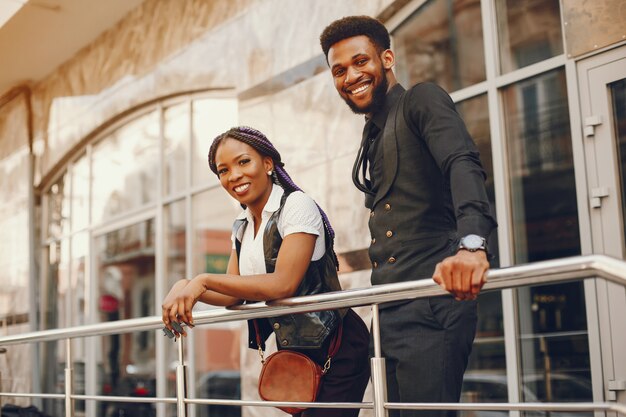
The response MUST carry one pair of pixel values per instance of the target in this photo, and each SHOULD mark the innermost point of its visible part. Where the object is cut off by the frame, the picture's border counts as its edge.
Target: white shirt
(299, 215)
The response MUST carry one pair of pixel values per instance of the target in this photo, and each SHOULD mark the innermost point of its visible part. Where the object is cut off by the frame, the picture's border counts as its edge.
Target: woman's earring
(269, 173)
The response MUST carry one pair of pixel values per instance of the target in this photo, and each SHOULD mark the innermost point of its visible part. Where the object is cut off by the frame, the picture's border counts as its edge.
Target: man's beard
(378, 99)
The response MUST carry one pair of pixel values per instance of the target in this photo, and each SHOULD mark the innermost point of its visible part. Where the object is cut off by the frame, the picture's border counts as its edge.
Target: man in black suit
(424, 184)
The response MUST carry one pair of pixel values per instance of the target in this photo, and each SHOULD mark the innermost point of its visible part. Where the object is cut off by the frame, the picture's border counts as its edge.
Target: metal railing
(544, 272)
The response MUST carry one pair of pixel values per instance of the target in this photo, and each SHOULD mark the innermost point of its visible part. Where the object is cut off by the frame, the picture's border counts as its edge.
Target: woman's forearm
(260, 287)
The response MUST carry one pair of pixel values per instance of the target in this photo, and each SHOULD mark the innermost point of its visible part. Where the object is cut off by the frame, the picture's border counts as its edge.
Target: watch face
(472, 242)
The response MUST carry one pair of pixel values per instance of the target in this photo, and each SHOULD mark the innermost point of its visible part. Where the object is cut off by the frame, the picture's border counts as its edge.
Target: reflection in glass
(54, 303)
(217, 364)
(125, 168)
(485, 378)
(441, 42)
(553, 341)
(175, 259)
(59, 208)
(554, 345)
(541, 168)
(125, 266)
(618, 94)
(475, 113)
(176, 137)
(529, 31)
(210, 118)
(80, 194)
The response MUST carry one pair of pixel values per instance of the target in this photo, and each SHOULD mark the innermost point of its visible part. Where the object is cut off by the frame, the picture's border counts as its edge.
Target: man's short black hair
(350, 26)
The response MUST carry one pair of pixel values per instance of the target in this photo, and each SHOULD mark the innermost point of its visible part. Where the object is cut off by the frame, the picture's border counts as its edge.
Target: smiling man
(424, 184)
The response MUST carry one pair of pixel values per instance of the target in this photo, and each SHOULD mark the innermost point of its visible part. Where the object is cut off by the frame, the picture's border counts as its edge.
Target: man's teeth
(360, 89)
(241, 188)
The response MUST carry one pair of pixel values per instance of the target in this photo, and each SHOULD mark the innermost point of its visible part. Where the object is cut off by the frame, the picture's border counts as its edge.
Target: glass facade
(552, 331)
(138, 209)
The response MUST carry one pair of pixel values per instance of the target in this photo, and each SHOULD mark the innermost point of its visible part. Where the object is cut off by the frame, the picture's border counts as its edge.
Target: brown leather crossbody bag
(292, 376)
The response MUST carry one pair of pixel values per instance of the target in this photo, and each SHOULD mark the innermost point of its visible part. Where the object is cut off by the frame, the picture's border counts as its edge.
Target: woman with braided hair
(282, 247)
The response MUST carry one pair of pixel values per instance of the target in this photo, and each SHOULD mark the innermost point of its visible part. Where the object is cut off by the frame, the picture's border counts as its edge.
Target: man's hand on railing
(463, 274)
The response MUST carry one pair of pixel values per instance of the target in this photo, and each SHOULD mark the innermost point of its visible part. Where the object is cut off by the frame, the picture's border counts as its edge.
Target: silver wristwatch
(473, 243)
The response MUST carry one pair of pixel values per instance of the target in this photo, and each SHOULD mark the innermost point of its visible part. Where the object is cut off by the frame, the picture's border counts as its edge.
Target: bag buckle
(326, 366)
(261, 355)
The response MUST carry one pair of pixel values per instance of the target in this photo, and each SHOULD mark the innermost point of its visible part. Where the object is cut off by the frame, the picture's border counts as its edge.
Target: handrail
(543, 272)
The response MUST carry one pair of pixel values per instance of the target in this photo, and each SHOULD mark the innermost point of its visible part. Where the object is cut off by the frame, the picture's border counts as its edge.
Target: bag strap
(333, 348)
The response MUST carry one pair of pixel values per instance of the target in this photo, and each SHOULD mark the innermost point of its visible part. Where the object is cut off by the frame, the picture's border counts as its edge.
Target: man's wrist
(473, 243)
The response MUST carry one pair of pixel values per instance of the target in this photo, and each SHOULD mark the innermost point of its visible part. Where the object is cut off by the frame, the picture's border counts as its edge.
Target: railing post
(69, 404)
(181, 381)
(379, 374)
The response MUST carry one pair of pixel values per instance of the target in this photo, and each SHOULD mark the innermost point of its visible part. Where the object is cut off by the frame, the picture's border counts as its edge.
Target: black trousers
(426, 344)
(349, 372)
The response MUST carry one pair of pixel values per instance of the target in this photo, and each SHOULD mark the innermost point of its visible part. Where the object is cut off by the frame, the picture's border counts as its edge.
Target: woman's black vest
(302, 330)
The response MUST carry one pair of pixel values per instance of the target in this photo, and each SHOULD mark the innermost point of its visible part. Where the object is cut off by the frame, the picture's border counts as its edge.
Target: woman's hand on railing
(173, 308)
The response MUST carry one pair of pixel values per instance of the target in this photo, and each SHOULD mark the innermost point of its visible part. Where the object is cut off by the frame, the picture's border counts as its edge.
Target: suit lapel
(390, 151)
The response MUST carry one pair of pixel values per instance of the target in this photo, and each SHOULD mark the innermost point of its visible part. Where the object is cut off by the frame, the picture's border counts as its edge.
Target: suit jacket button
(276, 326)
(389, 233)
(375, 264)
(391, 260)
(387, 206)
(372, 213)
(284, 342)
(373, 240)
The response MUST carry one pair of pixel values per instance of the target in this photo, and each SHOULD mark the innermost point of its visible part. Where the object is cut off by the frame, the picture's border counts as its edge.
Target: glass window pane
(80, 245)
(80, 194)
(441, 42)
(541, 168)
(217, 364)
(125, 168)
(175, 269)
(210, 118)
(485, 378)
(125, 266)
(554, 345)
(618, 94)
(176, 137)
(475, 113)
(529, 32)
(59, 208)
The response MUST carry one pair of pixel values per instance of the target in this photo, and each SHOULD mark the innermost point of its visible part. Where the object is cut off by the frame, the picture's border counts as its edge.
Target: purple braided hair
(261, 144)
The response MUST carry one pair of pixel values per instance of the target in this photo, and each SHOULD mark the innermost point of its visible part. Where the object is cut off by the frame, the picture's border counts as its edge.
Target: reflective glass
(217, 363)
(618, 95)
(59, 208)
(80, 194)
(554, 345)
(175, 269)
(125, 168)
(529, 31)
(485, 379)
(176, 145)
(554, 348)
(80, 245)
(125, 278)
(54, 302)
(211, 117)
(441, 42)
(541, 168)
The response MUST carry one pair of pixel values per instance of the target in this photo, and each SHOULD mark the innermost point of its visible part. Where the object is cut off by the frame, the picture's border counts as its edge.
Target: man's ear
(388, 59)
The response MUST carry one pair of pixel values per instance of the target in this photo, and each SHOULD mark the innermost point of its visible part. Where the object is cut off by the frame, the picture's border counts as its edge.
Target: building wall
(263, 53)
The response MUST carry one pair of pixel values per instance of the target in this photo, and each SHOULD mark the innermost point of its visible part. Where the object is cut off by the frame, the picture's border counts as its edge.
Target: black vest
(302, 330)
(412, 220)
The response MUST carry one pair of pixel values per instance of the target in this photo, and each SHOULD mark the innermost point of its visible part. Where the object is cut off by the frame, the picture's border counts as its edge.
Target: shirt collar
(393, 95)
(273, 204)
